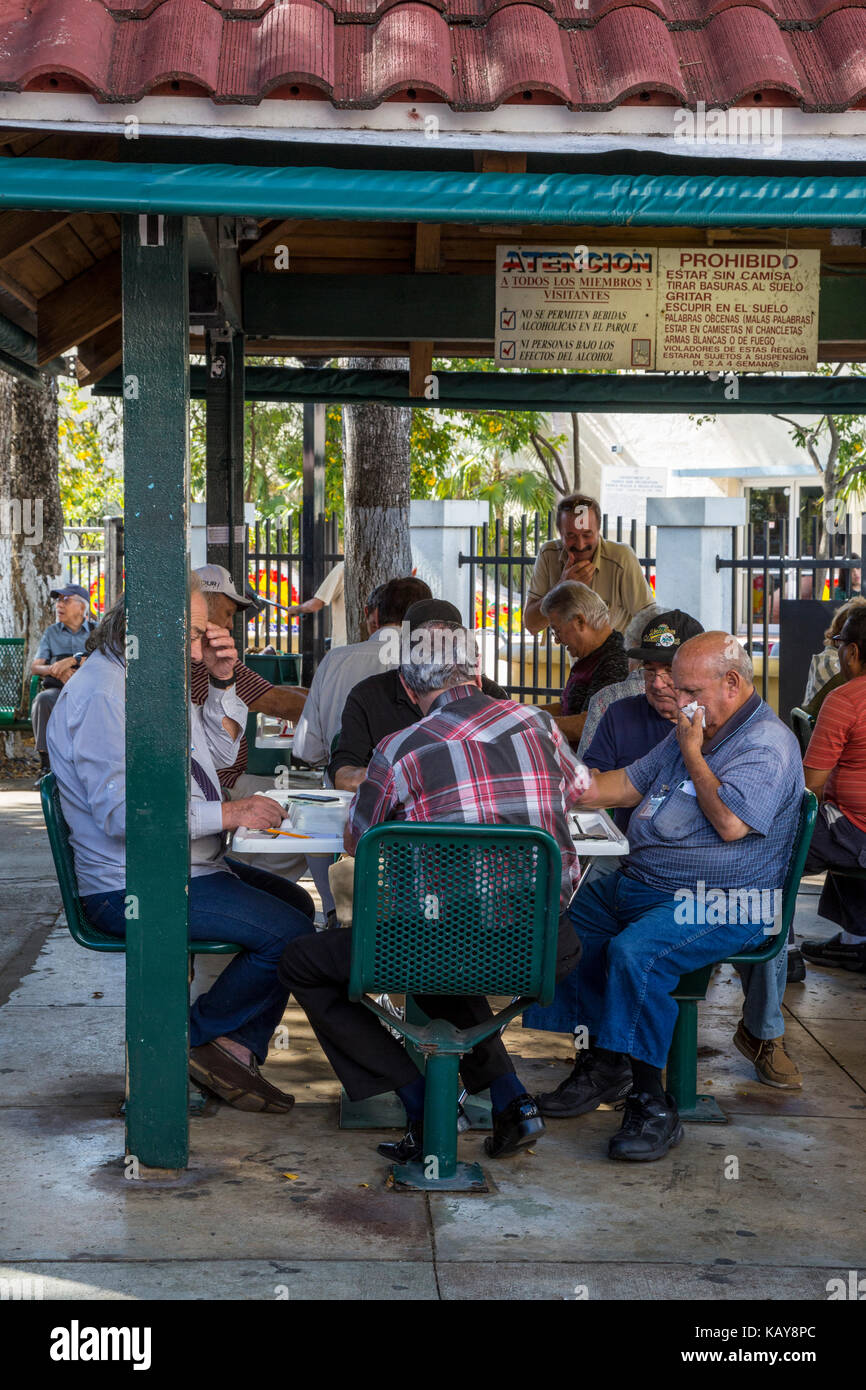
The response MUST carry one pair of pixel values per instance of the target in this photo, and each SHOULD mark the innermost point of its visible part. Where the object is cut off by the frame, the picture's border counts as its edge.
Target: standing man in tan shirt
(611, 570)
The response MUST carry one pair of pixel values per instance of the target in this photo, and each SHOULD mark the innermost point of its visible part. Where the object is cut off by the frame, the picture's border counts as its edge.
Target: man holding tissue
(717, 805)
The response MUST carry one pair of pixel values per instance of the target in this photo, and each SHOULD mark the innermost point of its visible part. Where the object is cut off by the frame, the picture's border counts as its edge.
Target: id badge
(649, 808)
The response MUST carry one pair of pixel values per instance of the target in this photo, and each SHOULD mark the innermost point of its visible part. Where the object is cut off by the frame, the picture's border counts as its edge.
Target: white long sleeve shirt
(87, 746)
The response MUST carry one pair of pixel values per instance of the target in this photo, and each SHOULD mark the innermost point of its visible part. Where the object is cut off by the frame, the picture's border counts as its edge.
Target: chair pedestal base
(706, 1110)
(415, 1177)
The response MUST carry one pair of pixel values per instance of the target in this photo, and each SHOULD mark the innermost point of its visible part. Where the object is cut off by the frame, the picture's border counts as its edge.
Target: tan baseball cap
(217, 580)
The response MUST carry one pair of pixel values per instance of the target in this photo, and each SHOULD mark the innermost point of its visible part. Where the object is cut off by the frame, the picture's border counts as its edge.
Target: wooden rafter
(78, 309)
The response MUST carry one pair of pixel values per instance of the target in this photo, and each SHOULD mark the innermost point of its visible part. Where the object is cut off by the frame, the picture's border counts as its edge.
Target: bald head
(715, 672)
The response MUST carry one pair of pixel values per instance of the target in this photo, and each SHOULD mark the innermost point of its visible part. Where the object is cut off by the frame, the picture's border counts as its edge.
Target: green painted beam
(445, 308)
(645, 393)
(604, 200)
(156, 477)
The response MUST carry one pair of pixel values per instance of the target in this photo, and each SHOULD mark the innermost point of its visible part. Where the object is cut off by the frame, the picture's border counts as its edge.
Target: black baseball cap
(71, 591)
(664, 635)
(432, 610)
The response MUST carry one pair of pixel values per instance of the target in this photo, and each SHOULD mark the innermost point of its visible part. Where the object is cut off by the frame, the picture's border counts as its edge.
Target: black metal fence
(83, 561)
(274, 566)
(501, 561)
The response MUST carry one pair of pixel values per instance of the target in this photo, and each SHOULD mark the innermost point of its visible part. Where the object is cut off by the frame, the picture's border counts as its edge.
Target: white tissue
(691, 710)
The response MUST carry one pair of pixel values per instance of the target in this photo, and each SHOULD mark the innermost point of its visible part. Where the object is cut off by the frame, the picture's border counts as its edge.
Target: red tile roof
(473, 54)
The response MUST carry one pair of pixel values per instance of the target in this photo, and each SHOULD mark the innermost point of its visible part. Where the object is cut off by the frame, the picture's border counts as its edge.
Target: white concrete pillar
(691, 532)
(440, 531)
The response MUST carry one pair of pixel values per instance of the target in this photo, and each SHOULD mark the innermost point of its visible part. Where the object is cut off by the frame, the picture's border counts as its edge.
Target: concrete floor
(277, 1207)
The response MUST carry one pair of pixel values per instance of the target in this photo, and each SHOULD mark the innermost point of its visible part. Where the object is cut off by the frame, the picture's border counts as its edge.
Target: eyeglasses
(840, 641)
(653, 677)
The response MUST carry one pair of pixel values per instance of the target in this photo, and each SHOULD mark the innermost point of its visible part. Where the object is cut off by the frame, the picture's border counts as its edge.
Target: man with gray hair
(470, 759)
(717, 807)
(580, 621)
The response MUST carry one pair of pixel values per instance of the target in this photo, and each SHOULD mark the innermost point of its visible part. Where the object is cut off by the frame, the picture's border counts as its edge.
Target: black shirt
(376, 707)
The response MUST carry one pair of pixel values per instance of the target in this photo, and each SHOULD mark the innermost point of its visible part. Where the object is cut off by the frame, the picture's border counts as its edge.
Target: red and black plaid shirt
(476, 760)
(250, 687)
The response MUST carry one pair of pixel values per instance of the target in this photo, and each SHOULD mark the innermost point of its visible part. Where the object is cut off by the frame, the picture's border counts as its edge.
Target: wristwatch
(78, 657)
(221, 685)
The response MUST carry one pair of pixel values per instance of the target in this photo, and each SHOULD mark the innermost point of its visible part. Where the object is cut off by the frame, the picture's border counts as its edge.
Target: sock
(44, 762)
(848, 938)
(612, 1061)
(505, 1089)
(647, 1079)
(412, 1097)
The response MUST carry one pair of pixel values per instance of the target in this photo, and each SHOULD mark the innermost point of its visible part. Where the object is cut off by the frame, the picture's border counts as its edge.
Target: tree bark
(30, 498)
(376, 490)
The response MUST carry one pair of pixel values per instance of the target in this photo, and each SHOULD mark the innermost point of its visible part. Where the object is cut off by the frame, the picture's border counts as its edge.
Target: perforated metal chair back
(11, 677)
(456, 909)
(803, 725)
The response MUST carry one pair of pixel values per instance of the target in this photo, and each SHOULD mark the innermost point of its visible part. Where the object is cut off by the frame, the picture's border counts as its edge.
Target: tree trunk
(30, 498)
(376, 490)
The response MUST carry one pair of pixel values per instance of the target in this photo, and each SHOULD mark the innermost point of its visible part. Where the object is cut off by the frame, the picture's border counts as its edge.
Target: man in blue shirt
(716, 809)
(58, 656)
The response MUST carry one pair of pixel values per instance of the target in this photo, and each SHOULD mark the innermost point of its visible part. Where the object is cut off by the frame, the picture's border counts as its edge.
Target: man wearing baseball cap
(58, 656)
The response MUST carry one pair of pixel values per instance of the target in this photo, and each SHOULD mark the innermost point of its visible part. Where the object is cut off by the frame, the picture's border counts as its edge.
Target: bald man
(716, 810)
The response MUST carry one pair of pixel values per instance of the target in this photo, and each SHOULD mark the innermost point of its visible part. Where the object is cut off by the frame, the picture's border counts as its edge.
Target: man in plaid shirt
(471, 759)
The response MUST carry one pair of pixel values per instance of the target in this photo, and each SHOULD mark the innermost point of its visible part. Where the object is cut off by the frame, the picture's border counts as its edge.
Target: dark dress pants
(364, 1055)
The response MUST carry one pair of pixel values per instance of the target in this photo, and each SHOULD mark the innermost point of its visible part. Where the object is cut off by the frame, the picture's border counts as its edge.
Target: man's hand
(219, 652)
(254, 812)
(349, 779)
(63, 669)
(690, 733)
(579, 569)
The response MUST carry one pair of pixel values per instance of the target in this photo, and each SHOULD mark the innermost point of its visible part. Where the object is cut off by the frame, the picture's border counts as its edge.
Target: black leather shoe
(405, 1150)
(649, 1128)
(796, 967)
(833, 952)
(588, 1085)
(514, 1127)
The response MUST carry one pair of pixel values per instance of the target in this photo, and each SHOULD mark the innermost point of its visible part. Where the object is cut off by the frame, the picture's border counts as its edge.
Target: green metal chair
(61, 851)
(461, 910)
(682, 1067)
(803, 725)
(16, 692)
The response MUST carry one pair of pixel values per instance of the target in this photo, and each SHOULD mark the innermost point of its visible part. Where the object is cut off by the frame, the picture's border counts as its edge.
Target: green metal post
(440, 1113)
(682, 1070)
(224, 452)
(156, 403)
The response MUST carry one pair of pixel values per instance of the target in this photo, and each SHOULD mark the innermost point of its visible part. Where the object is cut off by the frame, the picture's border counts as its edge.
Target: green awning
(639, 200)
(644, 393)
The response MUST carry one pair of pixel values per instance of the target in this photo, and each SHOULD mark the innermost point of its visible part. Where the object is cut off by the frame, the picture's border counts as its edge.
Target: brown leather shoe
(768, 1056)
(237, 1083)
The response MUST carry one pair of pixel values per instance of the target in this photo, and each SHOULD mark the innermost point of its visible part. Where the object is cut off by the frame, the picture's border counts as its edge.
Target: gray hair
(736, 658)
(442, 655)
(635, 630)
(570, 598)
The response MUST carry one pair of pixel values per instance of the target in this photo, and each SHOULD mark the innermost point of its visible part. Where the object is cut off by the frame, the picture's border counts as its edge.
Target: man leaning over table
(232, 1023)
(717, 807)
(469, 759)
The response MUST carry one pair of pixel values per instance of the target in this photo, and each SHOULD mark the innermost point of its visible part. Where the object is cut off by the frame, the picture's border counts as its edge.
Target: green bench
(459, 910)
(17, 693)
(682, 1067)
(61, 851)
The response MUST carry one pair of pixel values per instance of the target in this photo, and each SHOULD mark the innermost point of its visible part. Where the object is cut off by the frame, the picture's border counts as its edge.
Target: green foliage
(89, 433)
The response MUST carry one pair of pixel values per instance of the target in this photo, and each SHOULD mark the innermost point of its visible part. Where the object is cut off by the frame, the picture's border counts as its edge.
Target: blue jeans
(259, 912)
(634, 953)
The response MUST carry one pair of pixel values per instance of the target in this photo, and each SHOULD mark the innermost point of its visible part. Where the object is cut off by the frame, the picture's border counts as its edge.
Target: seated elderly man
(468, 753)
(835, 764)
(230, 1025)
(717, 811)
(579, 620)
(58, 656)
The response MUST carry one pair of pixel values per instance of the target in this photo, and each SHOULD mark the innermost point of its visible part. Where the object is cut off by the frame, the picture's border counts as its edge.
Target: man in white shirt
(330, 594)
(232, 1023)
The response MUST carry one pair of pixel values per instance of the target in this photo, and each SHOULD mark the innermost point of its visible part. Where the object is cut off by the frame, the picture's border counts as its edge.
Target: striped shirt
(839, 742)
(476, 760)
(249, 687)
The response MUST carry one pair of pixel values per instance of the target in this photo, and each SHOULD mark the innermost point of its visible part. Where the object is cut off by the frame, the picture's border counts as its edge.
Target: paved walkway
(279, 1207)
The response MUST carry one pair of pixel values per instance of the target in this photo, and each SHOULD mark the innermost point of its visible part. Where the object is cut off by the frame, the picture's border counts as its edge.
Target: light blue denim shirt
(87, 746)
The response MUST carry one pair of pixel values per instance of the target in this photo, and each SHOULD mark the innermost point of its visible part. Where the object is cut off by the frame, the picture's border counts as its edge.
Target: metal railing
(501, 560)
(275, 556)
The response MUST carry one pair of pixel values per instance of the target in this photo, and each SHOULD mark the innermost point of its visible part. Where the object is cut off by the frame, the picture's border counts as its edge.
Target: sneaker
(834, 953)
(768, 1056)
(796, 966)
(649, 1128)
(589, 1084)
